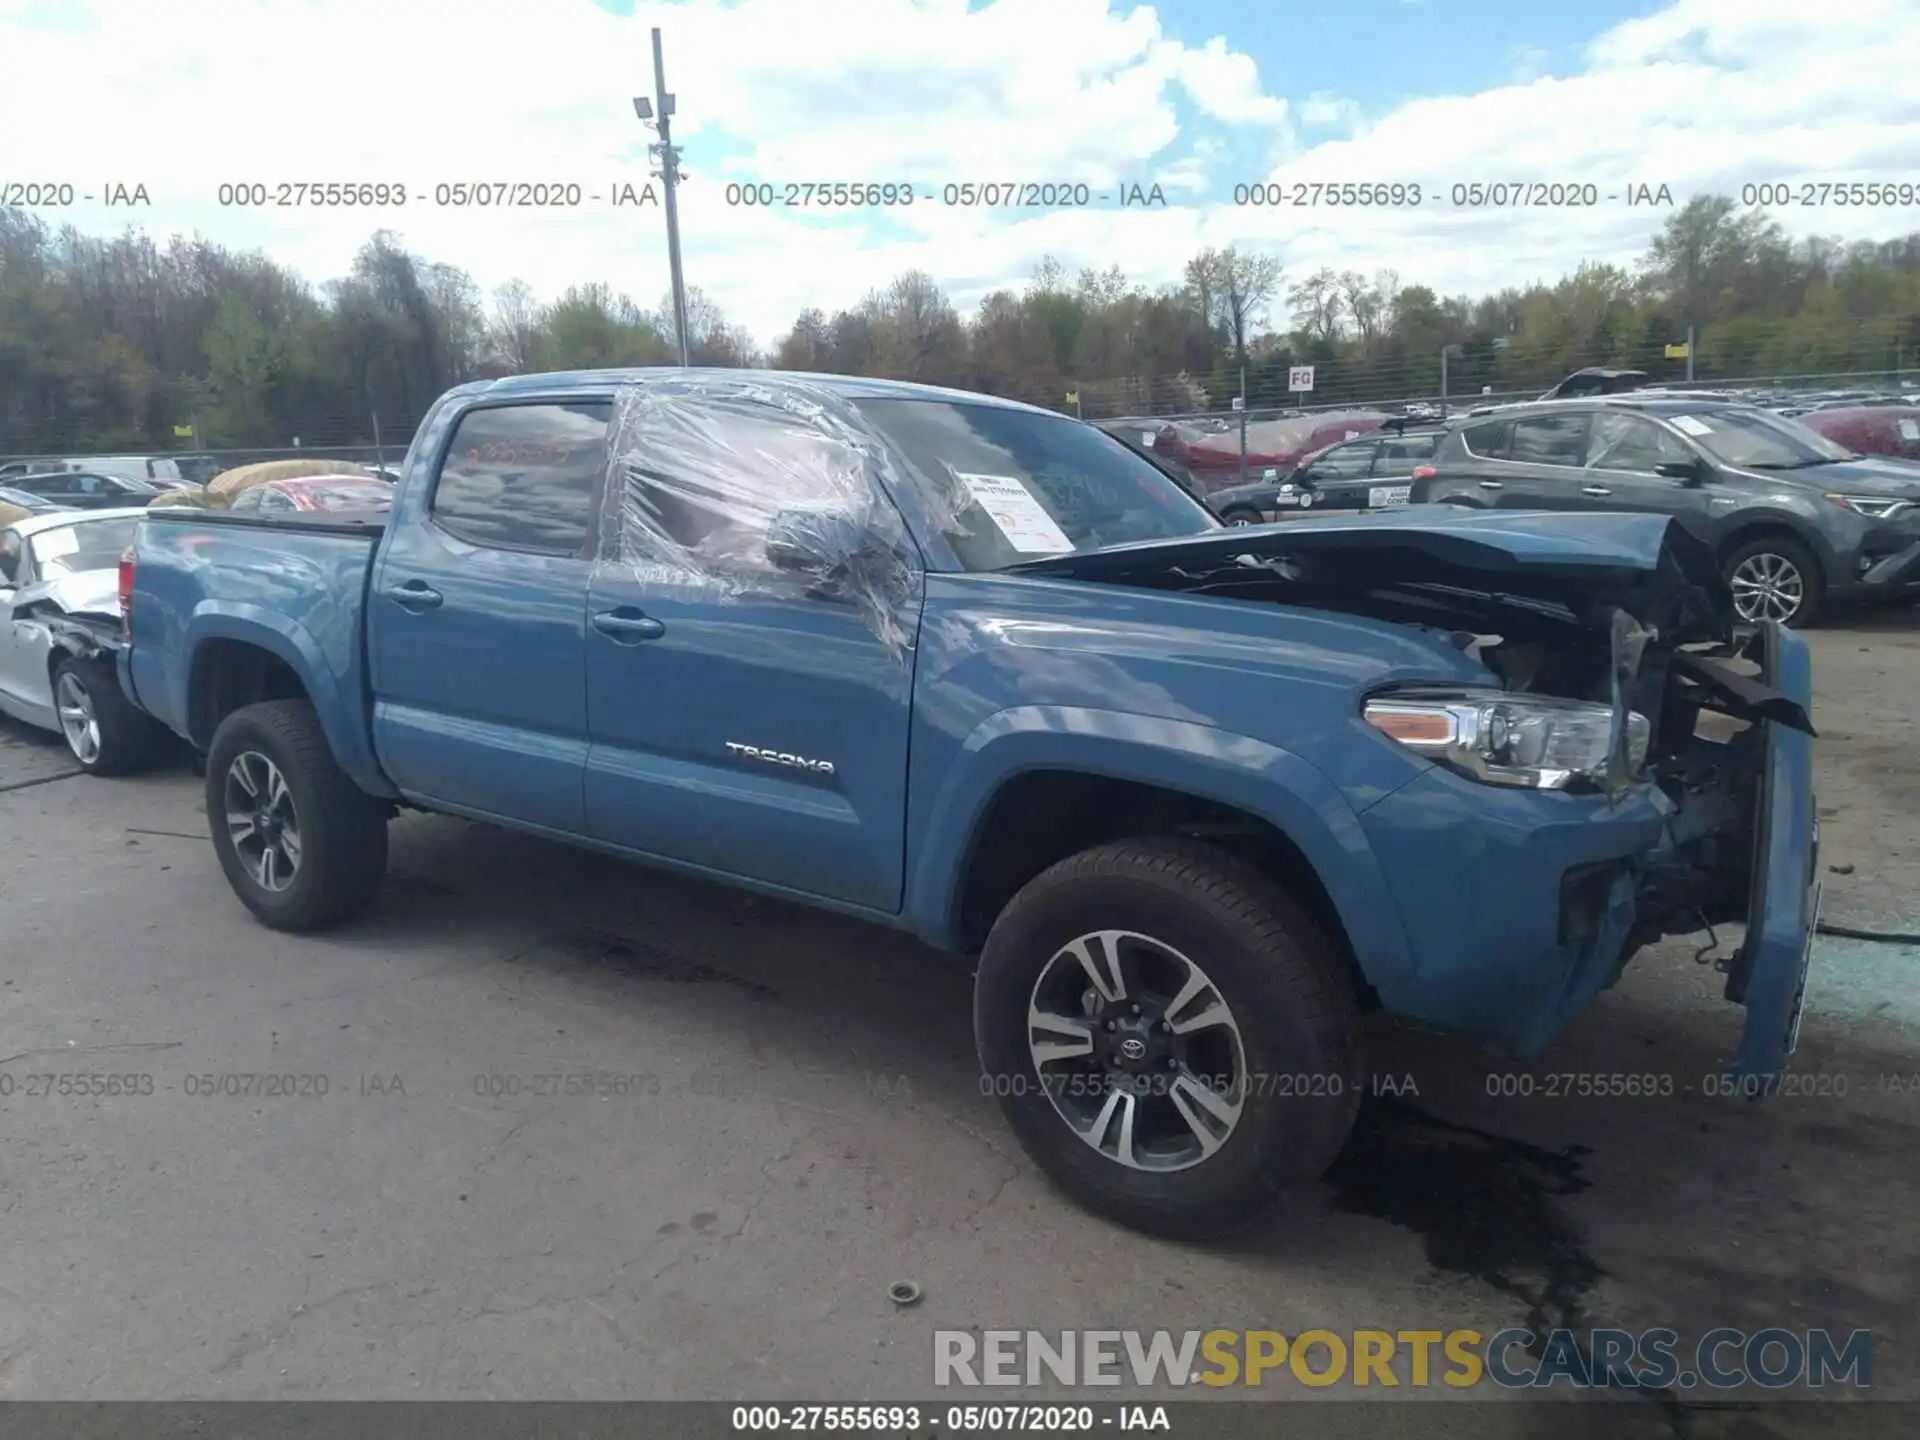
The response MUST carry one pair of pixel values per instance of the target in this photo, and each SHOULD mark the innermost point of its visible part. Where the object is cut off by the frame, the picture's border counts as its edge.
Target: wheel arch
(1035, 788)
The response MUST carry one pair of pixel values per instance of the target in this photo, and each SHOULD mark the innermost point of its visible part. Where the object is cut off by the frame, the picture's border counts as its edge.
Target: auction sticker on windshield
(1910, 429)
(1692, 426)
(1019, 517)
(52, 544)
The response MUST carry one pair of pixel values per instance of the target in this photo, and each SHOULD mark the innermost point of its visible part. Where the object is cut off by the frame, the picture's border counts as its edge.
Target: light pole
(669, 173)
(1446, 351)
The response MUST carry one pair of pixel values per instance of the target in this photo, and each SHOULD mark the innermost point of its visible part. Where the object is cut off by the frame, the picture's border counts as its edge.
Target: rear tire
(271, 778)
(1290, 1026)
(1770, 570)
(105, 734)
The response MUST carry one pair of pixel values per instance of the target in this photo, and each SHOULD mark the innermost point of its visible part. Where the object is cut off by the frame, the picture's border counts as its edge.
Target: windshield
(1755, 440)
(88, 545)
(1021, 485)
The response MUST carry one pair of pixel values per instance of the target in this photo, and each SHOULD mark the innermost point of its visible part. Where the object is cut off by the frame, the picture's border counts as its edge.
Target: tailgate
(1769, 975)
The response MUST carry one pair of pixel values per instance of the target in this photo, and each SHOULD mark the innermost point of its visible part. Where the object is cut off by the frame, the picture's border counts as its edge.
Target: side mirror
(1689, 471)
(821, 543)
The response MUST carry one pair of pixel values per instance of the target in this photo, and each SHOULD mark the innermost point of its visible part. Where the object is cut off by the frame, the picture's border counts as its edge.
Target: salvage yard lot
(802, 1124)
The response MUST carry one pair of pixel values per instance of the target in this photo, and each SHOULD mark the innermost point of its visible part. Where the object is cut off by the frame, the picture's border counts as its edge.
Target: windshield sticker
(1691, 426)
(51, 544)
(1019, 517)
(1910, 429)
(1146, 438)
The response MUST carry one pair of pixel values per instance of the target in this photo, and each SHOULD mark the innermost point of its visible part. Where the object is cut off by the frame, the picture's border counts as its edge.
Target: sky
(1195, 107)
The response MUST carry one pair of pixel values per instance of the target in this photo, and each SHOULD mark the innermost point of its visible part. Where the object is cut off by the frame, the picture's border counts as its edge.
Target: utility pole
(657, 115)
(1689, 354)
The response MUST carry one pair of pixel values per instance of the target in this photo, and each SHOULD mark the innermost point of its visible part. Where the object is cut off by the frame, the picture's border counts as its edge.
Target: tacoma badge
(781, 757)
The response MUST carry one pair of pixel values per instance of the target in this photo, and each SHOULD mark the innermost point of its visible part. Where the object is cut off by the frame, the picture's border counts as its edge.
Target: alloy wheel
(1137, 1050)
(1767, 586)
(261, 820)
(78, 722)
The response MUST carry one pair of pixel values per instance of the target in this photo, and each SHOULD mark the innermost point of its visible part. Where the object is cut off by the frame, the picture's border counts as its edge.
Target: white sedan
(59, 614)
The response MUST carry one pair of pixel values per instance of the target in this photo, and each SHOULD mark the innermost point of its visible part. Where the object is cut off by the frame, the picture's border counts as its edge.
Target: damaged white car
(60, 608)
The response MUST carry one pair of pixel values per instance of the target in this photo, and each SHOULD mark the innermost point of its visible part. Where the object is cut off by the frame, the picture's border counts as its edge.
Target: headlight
(1874, 507)
(1537, 742)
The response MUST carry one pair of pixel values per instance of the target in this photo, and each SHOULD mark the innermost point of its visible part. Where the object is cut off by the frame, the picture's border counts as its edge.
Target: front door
(1623, 453)
(746, 719)
(476, 617)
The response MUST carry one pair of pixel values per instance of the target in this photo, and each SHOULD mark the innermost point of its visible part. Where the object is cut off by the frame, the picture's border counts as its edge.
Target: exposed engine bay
(1650, 636)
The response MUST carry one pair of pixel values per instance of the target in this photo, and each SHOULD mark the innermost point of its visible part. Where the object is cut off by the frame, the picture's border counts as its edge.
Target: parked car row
(62, 535)
(1797, 521)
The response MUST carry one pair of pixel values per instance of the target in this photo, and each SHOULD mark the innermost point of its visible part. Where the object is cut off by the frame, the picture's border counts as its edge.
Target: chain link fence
(1147, 403)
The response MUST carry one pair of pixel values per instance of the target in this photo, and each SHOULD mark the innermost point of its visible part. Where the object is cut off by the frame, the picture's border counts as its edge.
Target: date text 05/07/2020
(1457, 194)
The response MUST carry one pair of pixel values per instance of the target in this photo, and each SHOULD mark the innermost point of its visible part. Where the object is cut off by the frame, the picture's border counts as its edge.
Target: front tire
(1775, 577)
(105, 734)
(1243, 517)
(1169, 1035)
(301, 844)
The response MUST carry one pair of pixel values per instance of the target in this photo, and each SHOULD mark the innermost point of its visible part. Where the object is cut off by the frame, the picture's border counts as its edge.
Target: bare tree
(517, 322)
(1240, 284)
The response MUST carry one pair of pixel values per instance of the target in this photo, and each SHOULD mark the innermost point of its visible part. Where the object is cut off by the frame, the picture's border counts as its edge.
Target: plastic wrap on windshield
(735, 488)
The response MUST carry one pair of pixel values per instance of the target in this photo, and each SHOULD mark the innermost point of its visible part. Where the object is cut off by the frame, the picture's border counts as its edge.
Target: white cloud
(1706, 94)
(1323, 110)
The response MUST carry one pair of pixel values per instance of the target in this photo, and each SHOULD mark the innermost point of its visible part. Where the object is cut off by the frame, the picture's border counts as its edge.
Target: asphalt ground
(424, 1213)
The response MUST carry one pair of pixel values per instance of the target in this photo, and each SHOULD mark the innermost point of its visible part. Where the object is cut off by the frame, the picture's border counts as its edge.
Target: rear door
(476, 617)
(1544, 465)
(1393, 464)
(1339, 476)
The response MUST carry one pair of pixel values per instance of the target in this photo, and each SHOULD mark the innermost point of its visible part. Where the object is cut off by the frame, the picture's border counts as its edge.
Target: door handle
(415, 595)
(1595, 490)
(628, 627)
(1491, 485)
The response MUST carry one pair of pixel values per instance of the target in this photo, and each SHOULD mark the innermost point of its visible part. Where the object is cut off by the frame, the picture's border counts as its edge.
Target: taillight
(1424, 472)
(126, 593)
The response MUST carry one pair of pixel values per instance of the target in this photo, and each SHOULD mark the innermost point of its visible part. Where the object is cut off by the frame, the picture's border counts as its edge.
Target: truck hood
(1446, 566)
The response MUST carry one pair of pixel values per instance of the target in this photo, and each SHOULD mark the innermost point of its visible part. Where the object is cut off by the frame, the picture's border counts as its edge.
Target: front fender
(1194, 759)
(330, 678)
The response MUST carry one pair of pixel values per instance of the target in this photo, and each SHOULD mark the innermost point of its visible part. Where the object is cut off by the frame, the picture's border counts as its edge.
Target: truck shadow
(1676, 1207)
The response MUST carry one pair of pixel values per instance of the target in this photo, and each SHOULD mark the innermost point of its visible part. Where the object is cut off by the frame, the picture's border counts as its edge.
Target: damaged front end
(1615, 674)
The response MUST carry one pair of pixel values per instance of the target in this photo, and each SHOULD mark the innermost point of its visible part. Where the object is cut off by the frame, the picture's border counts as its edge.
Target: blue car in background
(1192, 799)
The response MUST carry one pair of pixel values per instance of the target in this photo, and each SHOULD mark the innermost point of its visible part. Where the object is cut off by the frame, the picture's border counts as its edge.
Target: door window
(1490, 441)
(524, 477)
(1550, 440)
(1630, 442)
(1343, 462)
(1400, 456)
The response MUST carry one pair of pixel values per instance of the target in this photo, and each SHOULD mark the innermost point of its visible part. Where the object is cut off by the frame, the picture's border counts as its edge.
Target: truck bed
(290, 586)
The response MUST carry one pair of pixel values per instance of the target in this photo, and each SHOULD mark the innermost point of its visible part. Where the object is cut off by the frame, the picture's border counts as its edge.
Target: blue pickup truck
(1196, 798)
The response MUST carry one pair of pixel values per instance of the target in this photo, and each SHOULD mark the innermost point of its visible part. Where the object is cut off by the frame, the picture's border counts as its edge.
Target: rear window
(88, 545)
(369, 496)
(525, 477)
(1550, 440)
(1020, 484)
(1490, 440)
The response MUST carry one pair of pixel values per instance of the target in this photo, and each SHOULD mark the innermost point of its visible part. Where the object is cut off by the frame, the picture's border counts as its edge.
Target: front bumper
(1522, 906)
